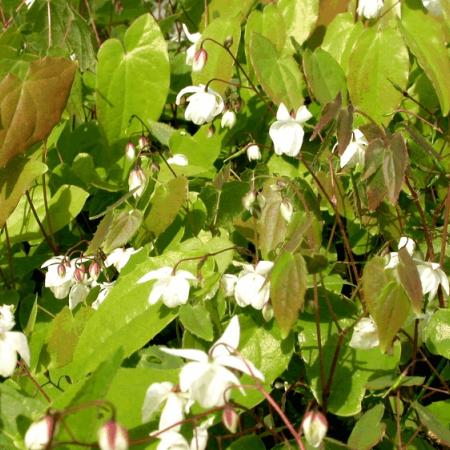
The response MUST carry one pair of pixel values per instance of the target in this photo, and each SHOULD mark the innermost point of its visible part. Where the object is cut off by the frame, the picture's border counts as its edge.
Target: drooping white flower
(59, 276)
(172, 287)
(112, 436)
(39, 434)
(78, 294)
(253, 153)
(370, 9)
(137, 181)
(406, 242)
(199, 61)
(431, 277)
(433, 6)
(203, 104)
(175, 405)
(178, 160)
(315, 427)
(228, 119)
(286, 210)
(354, 153)
(105, 289)
(228, 283)
(11, 343)
(130, 151)
(252, 287)
(287, 132)
(193, 38)
(120, 257)
(208, 378)
(365, 334)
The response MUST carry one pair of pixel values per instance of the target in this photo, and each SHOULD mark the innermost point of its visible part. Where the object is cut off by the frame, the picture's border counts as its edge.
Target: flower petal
(303, 114)
(155, 395)
(158, 290)
(172, 413)
(283, 113)
(241, 364)
(229, 341)
(163, 272)
(8, 357)
(187, 353)
(188, 90)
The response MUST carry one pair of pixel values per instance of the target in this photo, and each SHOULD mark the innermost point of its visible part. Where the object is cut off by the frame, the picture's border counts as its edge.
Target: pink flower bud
(143, 142)
(315, 427)
(230, 418)
(253, 152)
(112, 436)
(79, 274)
(200, 58)
(130, 151)
(94, 269)
(61, 270)
(39, 434)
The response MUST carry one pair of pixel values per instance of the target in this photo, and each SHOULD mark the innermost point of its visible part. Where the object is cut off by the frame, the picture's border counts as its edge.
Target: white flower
(315, 427)
(78, 293)
(431, 276)
(287, 133)
(228, 119)
(207, 378)
(193, 38)
(370, 9)
(365, 334)
(203, 105)
(248, 199)
(228, 283)
(119, 257)
(406, 242)
(178, 160)
(59, 276)
(252, 287)
(172, 440)
(253, 152)
(176, 404)
(112, 436)
(172, 287)
(286, 210)
(130, 150)
(11, 343)
(39, 434)
(200, 58)
(105, 289)
(137, 181)
(433, 6)
(29, 3)
(354, 153)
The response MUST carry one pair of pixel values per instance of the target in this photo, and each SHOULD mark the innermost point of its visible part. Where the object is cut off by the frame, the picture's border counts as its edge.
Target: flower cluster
(70, 277)
(207, 380)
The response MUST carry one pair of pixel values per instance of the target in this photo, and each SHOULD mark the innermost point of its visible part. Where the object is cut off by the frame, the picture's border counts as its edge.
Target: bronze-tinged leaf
(394, 166)
(330, 112)
(123, 227)
(374, 279)
(29, 109)
(410, 279)
(373, 173)
(344, 129)
(287, 289)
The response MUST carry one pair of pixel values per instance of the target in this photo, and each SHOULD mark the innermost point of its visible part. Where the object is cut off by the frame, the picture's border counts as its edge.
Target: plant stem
(319, 340)
(10, 257)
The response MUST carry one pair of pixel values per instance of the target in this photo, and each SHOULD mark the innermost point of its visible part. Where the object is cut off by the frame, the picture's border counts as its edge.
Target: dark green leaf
(369, 430)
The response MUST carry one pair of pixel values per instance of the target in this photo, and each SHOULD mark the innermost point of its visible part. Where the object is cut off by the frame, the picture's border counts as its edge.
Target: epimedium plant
(224, 224)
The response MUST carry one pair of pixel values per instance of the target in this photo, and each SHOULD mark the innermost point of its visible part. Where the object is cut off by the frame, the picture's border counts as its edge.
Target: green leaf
(300, 18)
(280, 76)
(220, 63)
(132, 78)
(426, 38)
(394, 166)
(165, 203)
(287, 289)
(369, 430)
(410, 279)
(393, 381)
(247, 443)
(437, 333)
(122, 228)
(63, 206)
(439, 429)
(324, 75)
(197, 320)
(29, 109)
(15, 179)
(373, 72)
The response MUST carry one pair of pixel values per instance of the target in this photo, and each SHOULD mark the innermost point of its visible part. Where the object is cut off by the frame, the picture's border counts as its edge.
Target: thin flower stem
(10, 257)
(319, 340)
(406, 111)
(51, 244)
(25, 368)
(397, 418)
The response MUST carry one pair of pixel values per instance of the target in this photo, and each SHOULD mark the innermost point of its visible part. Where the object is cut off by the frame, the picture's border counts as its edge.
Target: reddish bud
(61, 270)
(200, 58)
(230, 418)
(315, 427)
(143, 142)
(130, 151)
(39, 433)
(94, 269)
(79, 274)
(112, 436)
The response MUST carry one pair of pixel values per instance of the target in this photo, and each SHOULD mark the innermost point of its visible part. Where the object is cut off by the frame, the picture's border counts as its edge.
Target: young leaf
(122, 229)
(29, 109)
(287, 289)
(374, 163)
(197, 320)
(410, 279)
(394, 166)
(369, 429)
(132, 78)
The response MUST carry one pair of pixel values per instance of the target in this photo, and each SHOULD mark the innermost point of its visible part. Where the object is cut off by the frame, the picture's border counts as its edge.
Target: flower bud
(130, 151)
(142, 142)
(248, 200)
(137, 181)
(267, 312)
(112, 436)
(211, 131)
(39, 434)
(61, 270)
(228, 119)
(314, 427)
(286, 210)
(253, 152)
(79, 274)
(199, 61)
(228, 42)
(94, 270)
(230, 418)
